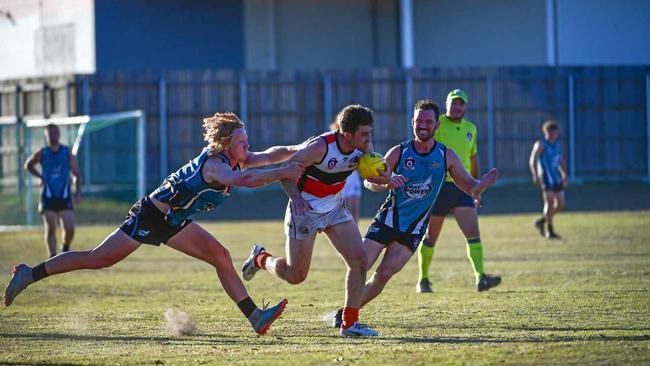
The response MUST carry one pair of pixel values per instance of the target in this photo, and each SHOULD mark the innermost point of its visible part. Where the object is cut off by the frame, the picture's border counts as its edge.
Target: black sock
(38, 272)
(247, 306)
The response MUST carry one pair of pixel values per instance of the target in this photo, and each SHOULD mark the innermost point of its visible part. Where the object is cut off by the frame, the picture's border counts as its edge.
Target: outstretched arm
(465, 181)
(272, 155)
(312, 152)
(538, 148)
(393, 180)
(217, 172)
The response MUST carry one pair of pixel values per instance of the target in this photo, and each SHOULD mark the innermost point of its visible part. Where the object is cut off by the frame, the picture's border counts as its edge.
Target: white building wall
(53, 38)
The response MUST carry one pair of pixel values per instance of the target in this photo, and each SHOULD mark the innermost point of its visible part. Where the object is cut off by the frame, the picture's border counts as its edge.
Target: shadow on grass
(217, 339)
(40, 363)
(582, 291)
(578, 329)
(529, 328)
(550, 339)
(196, 339)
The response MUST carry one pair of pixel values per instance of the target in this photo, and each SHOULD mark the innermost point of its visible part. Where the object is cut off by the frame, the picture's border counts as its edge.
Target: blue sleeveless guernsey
(55, 169)
(548, 165)
(187, 193)
(407, 208)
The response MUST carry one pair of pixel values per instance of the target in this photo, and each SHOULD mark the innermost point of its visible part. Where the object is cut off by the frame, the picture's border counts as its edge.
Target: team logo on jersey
(436, 165)
(208, 206)
(409, 163)
(332, 163)
(418, 190)
(469, 136)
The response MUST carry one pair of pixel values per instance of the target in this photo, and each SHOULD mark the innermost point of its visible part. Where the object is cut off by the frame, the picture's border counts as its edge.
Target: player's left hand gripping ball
(371, 165)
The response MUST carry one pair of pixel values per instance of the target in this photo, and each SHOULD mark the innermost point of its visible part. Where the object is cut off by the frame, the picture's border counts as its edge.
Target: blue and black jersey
(408, 208)
(187, 193)
(55, 170)
(548, 165)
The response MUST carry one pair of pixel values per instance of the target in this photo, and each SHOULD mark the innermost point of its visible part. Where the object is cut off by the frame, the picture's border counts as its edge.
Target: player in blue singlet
(164, 215)
(57, 163)
(419, 167)
(549, 173)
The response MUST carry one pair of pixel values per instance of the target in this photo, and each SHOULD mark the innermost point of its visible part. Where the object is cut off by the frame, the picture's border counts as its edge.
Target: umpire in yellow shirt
(459, 134)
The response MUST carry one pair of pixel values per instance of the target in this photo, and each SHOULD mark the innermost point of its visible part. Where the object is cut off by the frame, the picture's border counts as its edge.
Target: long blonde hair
(219, 129)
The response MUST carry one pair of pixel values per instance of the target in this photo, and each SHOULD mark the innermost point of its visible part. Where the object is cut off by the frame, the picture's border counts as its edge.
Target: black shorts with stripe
(384, 234)
(146, 224)
(450, 196)
(54, 204)
(558, 187)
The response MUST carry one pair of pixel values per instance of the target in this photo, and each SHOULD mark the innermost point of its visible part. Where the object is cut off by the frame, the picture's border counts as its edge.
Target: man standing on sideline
(57, 163)
(458, 134)
(549, 173)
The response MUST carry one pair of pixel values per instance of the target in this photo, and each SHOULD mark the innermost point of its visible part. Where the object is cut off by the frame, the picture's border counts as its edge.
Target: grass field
(582, 300)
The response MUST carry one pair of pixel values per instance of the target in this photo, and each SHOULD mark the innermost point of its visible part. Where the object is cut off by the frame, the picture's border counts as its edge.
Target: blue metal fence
(603, 112)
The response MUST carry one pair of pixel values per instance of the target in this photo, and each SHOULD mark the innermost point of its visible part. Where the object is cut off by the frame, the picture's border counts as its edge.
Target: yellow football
(371, 165)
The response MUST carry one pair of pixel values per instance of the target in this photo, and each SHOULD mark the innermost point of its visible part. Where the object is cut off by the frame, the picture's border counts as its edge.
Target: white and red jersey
(321, 183)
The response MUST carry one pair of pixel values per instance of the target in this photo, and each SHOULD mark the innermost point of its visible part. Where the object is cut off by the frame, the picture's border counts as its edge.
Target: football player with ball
(418, 169)
(316, 205)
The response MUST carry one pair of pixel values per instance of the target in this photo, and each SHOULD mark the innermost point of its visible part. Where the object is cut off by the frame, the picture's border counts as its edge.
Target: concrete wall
(312, 34)
(601, 32)
(479, 32)
(54, 37)
(57, 37)
(259, 34)
(387, 33)
(169, 34)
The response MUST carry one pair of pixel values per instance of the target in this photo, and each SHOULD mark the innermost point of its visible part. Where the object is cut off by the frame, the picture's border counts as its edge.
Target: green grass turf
(92, 210)
(582, 300)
